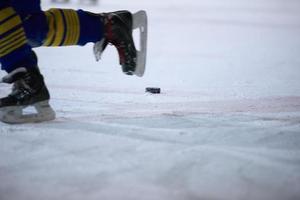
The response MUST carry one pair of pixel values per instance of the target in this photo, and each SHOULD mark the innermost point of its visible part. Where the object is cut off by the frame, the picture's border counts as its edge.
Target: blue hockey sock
(14, 48)
(70, 27)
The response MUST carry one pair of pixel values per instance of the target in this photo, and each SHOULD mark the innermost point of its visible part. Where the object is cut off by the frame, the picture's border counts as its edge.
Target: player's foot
(118, 28)
(28, 89)
(118, 32)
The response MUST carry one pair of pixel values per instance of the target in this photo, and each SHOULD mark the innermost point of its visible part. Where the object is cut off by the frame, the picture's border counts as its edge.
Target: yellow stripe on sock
(13, 46)
(11, 37)
(52, 29)
(76, 29)
(68, 33)
(13, 40)
(59, 27)
(73, 27)
(10, 24)
(60, 33)
(6, 13)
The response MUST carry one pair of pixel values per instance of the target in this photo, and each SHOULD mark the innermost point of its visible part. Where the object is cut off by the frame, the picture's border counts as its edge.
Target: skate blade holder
(140, 22)
(16, 114)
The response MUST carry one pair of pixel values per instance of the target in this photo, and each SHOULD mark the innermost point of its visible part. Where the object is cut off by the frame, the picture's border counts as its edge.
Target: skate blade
(14, 114)
(140, 21)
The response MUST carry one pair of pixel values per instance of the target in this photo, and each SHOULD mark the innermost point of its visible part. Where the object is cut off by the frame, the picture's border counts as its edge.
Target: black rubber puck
(153, 90)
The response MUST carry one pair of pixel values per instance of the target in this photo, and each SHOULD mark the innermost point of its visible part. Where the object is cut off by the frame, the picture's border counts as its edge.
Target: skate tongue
(14, 75)
(99, 47)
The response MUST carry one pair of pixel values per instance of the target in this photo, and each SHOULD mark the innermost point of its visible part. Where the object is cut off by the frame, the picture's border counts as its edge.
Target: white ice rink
(226, 126)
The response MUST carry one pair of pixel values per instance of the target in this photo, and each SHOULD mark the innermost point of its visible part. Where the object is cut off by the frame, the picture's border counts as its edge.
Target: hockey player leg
(69, 27)
(18, 59)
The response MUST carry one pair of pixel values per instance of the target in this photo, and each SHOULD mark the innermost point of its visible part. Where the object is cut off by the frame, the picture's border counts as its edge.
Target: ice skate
(28, 90)
(118, 32)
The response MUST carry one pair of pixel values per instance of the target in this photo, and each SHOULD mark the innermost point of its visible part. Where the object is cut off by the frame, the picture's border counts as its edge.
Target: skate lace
(21, 88)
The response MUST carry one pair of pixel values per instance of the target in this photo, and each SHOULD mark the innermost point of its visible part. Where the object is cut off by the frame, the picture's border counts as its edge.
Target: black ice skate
(29, 89)
(118, 32)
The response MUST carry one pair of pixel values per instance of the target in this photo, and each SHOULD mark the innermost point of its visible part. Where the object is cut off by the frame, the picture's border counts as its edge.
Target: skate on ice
(22, 31)
(119, 27)
(29, 90)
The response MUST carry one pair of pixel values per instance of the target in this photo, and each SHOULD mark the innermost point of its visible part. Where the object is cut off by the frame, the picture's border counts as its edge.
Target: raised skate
(119, 27)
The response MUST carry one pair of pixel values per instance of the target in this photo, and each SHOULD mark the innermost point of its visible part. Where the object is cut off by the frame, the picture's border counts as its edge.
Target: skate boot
(28, 89)
(118, 28)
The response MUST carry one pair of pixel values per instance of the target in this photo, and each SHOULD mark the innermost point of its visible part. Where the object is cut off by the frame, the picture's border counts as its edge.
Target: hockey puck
(153, 90)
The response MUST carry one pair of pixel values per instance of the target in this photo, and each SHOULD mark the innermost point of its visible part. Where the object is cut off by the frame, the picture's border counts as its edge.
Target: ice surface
(226, 126)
